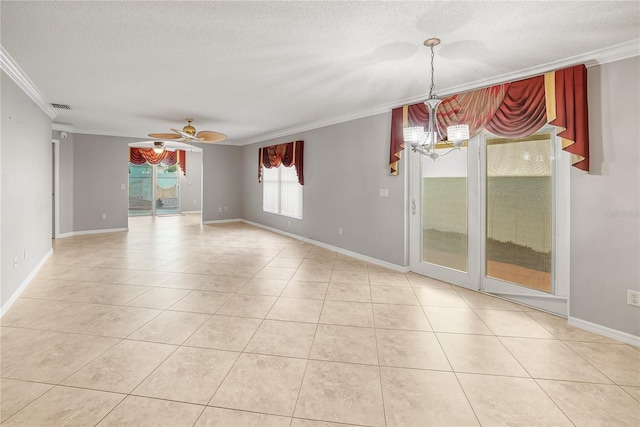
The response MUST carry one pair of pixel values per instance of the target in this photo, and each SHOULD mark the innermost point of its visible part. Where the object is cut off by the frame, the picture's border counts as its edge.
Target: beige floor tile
(321, 253)
(277, 273)
(347, 263)
(484, 301)
(186, 281)
(424, 398)
(170, 327)
(513, 324)
(248, 306)
(349, 292)
(227, 270)
(633, 391)
(15, 395)
(66, 406)
(552, 359)
(619, 362)
(456, 320)
(122, 367)
(26, 311)
(300, 422)
(393, 295)
(410, 349)
(341, 392)
(202, 302)
(150, 278)
(71, 319)
(558, 326)
(379, 278)
(307, 290)
(479, 354)
(257, 286)
(296, 310)
(318, 263)
(189, 375)
(593, 404)
(354, 277)
(160, 298)
(119, 322)
(312, 275)
(388, 316)
(285, 262)
(347, 313)
(143, 412)
(220, 417)
(177, 266)
(277, 338)
(429, 297)
(259, 383)
(510, 401)
(345, 344)
(4, 330)
(224, 333)
(51, 357)
(223, 283)
(418, 281)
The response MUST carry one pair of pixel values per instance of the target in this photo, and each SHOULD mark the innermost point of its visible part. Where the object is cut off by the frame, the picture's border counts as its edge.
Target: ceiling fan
(188, 134)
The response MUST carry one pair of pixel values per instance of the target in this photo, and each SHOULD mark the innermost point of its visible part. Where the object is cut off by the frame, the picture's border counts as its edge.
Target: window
(281, 192)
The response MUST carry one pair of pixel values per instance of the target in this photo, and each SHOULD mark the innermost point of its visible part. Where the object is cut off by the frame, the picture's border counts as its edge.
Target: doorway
(493, 217)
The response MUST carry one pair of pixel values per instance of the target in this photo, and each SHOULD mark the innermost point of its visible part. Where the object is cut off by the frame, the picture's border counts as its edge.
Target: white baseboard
(190, 212)
(375, 261)
(81, 233)
(7, 305)
(220, 221)
(603, 330)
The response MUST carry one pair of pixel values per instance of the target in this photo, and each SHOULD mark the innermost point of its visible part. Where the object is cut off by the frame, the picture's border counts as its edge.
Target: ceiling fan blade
(164, 135)
(208, 136)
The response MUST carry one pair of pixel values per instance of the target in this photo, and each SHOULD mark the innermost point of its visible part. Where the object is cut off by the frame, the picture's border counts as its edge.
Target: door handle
(413, 207)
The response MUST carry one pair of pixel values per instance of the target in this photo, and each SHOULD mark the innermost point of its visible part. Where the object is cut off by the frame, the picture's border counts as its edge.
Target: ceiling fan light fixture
(158, 147)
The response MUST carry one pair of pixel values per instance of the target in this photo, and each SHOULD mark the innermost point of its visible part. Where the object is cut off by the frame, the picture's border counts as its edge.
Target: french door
(154, 189)
(494, 217)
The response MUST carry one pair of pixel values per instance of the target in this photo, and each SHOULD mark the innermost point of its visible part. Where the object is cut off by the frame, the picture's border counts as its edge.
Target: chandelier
(426, 143)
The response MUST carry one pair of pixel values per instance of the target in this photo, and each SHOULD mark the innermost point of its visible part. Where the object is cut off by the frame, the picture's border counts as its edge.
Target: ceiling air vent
(61, 106)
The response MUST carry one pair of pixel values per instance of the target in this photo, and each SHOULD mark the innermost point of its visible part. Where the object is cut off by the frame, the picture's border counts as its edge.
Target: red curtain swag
(513, 110)
(288, 155)
(139, 156)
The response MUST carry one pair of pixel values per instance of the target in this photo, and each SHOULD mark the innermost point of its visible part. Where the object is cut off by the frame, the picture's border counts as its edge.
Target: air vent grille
(61, 106)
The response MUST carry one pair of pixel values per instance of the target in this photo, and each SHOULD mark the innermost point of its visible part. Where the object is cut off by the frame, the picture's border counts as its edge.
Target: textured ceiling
(254, 70)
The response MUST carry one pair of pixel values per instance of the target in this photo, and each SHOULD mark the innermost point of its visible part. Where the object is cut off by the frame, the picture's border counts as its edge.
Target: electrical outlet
(220, 210)
(633, 298)
(103, 216)
(339, 231)
(226, 209)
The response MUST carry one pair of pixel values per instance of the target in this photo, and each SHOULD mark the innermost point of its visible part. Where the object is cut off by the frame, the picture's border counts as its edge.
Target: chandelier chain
(433, 85)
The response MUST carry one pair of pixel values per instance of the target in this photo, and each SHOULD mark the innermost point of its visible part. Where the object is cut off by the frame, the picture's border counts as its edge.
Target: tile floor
(179, 324)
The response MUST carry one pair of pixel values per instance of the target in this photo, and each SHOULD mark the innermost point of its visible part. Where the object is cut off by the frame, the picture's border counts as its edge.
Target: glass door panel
(167, 189)
(140, 189)
(519, 196)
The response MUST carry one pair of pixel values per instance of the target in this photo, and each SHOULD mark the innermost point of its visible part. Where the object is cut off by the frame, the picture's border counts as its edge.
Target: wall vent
(61, 106)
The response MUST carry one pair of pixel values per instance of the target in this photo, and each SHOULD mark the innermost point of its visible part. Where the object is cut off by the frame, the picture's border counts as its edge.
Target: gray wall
(345, 166)
(100, 165)
(65, 177)
(605, 224)
(191, 184)
(222, 182)
(26, 187)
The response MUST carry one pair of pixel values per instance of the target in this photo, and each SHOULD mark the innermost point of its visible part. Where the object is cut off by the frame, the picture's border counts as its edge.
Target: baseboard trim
(220, 221)
(84, 232)
(375, 261)
(190, 212)
(7, 305)
(603, 330)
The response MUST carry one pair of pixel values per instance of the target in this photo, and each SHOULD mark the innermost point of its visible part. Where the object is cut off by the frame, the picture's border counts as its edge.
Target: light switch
(122, 186)
(384, 192)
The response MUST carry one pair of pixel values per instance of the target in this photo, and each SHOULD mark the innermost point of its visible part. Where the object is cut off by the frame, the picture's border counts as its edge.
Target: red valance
(287, 155)
(139, 156)
(513, 110)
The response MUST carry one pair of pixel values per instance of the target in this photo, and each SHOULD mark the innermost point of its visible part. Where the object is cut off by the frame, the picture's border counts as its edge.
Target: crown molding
(63, 127)
(13, 70)
(590, 59)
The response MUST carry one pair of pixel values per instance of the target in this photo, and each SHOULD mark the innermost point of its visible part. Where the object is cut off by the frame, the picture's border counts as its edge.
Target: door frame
(56, 188)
